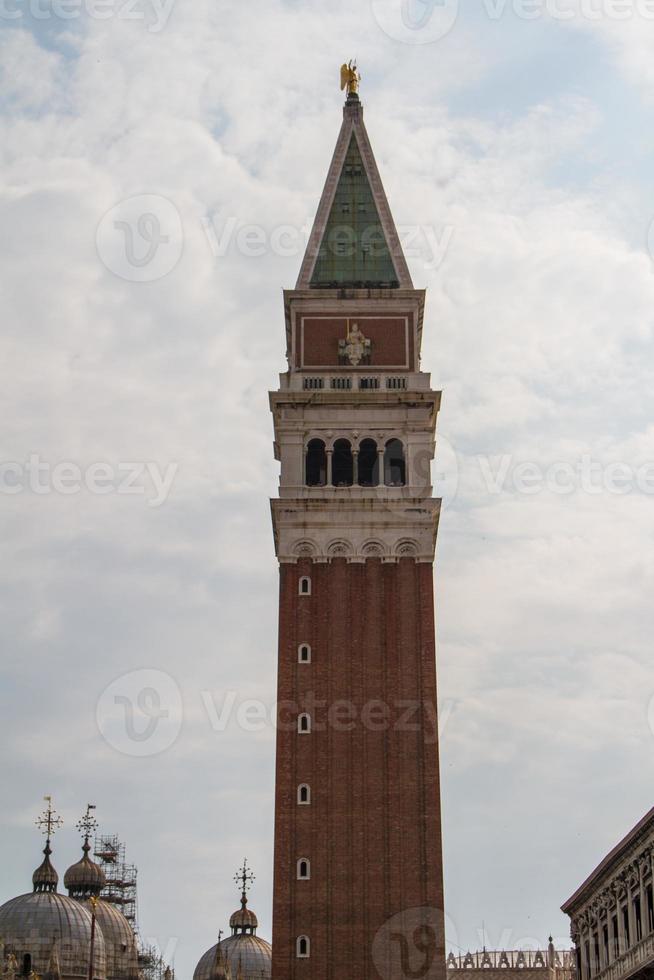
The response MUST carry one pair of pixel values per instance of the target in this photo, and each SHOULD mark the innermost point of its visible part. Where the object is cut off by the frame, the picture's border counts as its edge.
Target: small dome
(253, 953)
(84, 878)
(243, 955)
(243, 920)
(30, 924)
(45, 878)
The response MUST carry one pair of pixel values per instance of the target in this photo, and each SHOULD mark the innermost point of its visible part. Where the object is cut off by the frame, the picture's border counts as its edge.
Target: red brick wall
(372, 831)
(391, 336)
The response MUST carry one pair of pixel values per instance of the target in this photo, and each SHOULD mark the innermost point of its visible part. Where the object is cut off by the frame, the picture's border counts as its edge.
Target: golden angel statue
(350, 77)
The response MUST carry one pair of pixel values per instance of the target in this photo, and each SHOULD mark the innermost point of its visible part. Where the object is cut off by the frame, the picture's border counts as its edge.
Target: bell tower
(358, 890)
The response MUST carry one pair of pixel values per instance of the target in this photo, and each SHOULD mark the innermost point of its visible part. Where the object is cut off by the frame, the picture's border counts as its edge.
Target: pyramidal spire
(354, 242)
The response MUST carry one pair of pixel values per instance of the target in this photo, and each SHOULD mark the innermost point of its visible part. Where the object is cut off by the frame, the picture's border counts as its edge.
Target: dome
(254, 954)
(31, 924)
(243, 920)
(45, 878)
(243, 955)
(84, 878)
(119, 940)
(84, 881)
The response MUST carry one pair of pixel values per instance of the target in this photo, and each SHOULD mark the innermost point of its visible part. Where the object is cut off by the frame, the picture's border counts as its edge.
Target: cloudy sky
(160, 162)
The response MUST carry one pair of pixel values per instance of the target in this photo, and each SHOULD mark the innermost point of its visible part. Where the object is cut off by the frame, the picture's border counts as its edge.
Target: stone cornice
(355, 529)
(636, 846)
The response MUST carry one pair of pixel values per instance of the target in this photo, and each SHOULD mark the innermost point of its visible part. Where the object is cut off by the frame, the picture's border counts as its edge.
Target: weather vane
(88, 823)
(49, 821)
(244, 877)
(350, 77)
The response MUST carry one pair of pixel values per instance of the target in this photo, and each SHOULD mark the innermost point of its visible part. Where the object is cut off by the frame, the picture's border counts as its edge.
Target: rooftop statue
(350, 78)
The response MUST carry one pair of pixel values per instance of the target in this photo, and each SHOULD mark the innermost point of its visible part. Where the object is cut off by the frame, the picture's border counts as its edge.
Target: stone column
(601, 949)
(644, 917)
(622, 939)
(355, 467)
(329, 453)
(588, 944)
(632, 918)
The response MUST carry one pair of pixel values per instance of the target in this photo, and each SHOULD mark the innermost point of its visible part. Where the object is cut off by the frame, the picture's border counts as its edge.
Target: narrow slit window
(304, 653)
(304, 794)
(304, 586)
(303, 947)
(303, 869)
(304, 724)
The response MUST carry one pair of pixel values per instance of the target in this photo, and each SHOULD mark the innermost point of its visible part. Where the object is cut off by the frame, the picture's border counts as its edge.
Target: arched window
(316, 464)
(304, 794)
(368, 464)
(342, 468)
(304, 653)
(303, 869)
(304, 723)
(303, 947)
(394, 465)
(304, 585)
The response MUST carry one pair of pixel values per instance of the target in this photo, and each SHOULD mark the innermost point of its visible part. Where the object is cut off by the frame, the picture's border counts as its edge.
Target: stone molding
(355, 530)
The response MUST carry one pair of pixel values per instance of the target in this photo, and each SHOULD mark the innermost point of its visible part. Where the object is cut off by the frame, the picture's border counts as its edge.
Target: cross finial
(244, 878)
(49, 821)
(88, 823)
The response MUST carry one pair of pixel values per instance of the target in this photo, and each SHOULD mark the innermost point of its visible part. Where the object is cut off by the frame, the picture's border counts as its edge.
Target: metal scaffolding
(120, 890)
(120, 887)
(151, 963)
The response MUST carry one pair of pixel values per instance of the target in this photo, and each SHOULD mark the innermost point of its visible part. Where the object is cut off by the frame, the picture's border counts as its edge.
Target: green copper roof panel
(353, 251)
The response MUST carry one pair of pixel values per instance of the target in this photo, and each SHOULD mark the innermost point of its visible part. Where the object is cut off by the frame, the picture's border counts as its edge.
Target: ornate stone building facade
(513, 964)
(612, 912)
(358, 865)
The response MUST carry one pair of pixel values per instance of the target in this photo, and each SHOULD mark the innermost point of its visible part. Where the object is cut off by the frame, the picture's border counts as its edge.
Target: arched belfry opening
(394, 464)
(342, 464)
(315, 466)
(368, 463)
